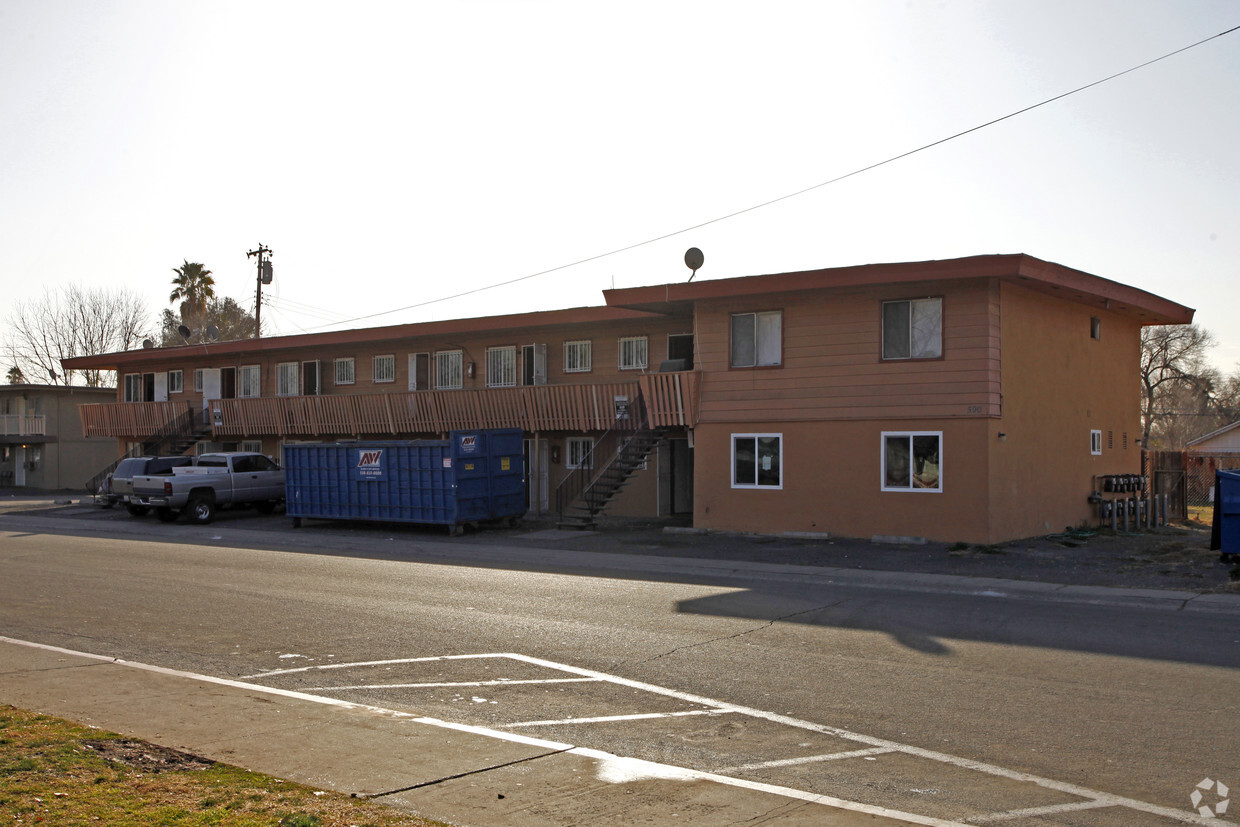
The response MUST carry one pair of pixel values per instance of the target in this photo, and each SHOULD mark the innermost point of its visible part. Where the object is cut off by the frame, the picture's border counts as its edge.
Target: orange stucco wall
(1058, 385)
(832, 482)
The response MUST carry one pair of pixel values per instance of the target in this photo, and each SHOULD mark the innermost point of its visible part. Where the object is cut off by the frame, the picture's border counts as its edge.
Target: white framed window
(198, 380)
(448, 370)
(286, 379)
(577, 356)
(579, 452)
(176, 381)
(385, 368)
(133, 387)
(757, 339)
(913, 461)
(757, 461)
(633, 353)
(1095, 328)
(255, 445)
(913, 329)
(1095, 442)
(344, 371)
(249, 381)
(501, 367)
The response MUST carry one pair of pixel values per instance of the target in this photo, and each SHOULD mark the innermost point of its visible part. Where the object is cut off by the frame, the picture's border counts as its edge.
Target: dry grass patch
(56, 772)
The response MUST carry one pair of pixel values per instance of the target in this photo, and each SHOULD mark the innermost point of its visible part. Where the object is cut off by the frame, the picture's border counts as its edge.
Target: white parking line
(1032, 812)
(809, 759)
(1094, 798)
(606, 719)
(498, 682)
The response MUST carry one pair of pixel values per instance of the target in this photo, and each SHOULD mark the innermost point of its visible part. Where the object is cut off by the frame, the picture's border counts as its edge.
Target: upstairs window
(1095, 442)
(757, 339)
(633, 353)
(385, 368)
(198, 379)
(345, 370)
(248, 384)
(577, 357)
(448, 370)
(133, 387)
(913, 329)
(501, 367)
(286, 379)
(176, 381)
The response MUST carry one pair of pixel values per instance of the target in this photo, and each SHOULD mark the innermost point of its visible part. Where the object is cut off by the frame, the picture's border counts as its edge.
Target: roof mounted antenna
(693, 260)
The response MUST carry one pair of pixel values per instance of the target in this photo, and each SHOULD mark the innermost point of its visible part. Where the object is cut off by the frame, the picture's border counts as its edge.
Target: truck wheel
(201, 510)
(137, 510)
(166, 514)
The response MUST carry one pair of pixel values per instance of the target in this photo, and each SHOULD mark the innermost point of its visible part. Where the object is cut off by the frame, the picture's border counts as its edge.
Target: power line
(800, 192)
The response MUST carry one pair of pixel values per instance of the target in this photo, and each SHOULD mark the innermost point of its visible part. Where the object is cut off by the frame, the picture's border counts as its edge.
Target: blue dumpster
(471, 477)
(1227, 512)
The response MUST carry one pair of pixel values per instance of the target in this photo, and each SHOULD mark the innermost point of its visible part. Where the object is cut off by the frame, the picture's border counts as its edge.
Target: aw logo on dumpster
(370, 463)
(469, 443)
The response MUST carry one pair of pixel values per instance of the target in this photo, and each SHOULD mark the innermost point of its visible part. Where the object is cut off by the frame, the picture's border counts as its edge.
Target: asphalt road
(1109, 692)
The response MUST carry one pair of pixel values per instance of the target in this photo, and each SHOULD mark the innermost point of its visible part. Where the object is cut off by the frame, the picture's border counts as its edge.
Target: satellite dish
(694, 260)
(185, 332)
(147, 344)
(213, 332)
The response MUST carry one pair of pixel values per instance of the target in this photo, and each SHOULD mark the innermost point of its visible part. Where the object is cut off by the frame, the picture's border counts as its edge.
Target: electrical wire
(800, 192)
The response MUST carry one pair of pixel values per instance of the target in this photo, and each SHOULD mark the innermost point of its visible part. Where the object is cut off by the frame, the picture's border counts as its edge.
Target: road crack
(478, 771)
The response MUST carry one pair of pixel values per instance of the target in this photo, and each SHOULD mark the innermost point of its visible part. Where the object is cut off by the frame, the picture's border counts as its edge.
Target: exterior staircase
(175, 438)
(579, 510)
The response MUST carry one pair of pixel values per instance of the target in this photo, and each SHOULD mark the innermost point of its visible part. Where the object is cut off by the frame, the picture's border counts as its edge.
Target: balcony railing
(670, 400)
(19, 425)
(132, 419)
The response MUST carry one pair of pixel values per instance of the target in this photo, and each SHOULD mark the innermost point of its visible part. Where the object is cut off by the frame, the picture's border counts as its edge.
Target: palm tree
(15, 376)
(193, 288)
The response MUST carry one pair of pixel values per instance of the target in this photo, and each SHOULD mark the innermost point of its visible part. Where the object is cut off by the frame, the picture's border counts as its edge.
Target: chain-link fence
(1199, 483)
(1187, 481)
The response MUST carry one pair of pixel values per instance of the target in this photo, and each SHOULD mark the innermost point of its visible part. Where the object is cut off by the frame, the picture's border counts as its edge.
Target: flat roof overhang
(451, 327)
(1027, 271)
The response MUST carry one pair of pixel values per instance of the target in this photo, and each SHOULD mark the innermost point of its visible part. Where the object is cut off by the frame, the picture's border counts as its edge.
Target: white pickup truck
(229, 478)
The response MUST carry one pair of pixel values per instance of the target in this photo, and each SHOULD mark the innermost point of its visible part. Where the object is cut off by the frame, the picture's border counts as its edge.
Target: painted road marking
(809, 759)
(1092, 798)
(497, 682)
(619, 768)
(1032, 812)
(607, 719)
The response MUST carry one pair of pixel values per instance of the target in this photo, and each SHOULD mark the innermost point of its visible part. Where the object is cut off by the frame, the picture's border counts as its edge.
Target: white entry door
(210, 392)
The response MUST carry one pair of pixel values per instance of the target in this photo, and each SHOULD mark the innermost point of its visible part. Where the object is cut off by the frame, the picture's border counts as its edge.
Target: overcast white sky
(396, 153)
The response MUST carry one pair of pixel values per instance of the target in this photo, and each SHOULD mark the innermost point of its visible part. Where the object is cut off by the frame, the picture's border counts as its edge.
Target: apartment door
(675, 477)
(537, 456)
(210, 391)
(419, 371)
(311, 383)
(680, 346)
(148, 387)
(534, 365)
(228, 383)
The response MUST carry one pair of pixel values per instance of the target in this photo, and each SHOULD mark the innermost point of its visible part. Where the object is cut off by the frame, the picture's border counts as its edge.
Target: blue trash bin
(1227, 511)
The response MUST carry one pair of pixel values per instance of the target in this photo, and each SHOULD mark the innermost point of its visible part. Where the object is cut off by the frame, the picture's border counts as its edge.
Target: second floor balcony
(23, 425)
(653, 400)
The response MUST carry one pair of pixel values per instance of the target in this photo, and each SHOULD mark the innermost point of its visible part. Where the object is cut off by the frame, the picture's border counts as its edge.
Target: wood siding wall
(831, 359)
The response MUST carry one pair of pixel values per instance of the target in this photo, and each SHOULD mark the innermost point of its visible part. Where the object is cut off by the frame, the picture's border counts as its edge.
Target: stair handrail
(581, 479)
(179, 426)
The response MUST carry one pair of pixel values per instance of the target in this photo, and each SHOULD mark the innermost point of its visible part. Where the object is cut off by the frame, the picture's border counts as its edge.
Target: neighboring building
(973, 399)
(41, 441)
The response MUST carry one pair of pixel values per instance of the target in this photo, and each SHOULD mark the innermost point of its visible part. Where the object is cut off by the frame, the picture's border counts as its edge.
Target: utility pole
(264, 277)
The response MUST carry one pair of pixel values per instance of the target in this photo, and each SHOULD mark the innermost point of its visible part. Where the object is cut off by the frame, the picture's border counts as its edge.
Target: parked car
(216, 480)
(118, 486)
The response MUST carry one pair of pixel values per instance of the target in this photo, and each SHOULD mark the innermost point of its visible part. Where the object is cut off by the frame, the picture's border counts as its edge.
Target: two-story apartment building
(41, 441)
(973, 399)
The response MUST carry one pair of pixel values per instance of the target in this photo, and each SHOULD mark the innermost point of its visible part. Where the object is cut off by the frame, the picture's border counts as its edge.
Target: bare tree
(74, 321)
(1176, 384)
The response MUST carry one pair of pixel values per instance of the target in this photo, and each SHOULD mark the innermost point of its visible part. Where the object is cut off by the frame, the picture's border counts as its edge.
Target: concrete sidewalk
(453, 773)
